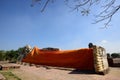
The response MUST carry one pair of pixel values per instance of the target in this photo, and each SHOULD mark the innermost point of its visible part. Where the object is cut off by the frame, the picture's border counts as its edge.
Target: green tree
(108, 55)
(2, 55)
(115, 55)
(11, 55)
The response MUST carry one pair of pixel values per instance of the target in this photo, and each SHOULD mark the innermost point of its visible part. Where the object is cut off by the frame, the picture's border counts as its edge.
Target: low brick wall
(114, 62)
(8, 66)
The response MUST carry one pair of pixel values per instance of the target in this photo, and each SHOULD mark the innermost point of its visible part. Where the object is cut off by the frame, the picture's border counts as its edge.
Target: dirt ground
(41, 73)
(2, 77)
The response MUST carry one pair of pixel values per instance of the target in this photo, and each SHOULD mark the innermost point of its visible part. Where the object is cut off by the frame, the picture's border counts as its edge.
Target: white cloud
(111, 47)
(104, 41)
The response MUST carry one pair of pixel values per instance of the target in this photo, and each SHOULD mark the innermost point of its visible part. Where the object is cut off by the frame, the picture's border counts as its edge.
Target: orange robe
(80, 59)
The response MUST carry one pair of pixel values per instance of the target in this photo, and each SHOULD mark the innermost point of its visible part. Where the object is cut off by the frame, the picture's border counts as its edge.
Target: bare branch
(45, 5)
(108, 9)
(107, 16)
(81, 4)
(35, 1)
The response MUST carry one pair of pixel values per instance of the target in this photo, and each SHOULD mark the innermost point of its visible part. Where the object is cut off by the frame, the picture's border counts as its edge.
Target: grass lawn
(9, 75)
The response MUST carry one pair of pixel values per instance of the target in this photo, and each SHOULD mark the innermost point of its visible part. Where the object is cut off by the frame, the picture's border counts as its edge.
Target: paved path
(41, 73)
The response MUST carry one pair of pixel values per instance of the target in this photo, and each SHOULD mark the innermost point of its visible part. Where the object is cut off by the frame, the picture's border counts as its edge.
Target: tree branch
(107, 16)
(46, 3)
(84, 6)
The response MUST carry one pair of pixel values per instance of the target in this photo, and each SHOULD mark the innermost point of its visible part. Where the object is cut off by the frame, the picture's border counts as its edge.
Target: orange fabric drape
(79, 59)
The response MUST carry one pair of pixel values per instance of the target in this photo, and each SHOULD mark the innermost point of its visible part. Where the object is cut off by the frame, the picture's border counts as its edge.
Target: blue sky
(57, 26)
